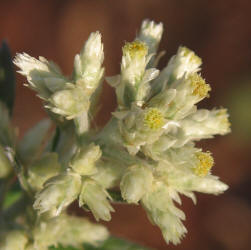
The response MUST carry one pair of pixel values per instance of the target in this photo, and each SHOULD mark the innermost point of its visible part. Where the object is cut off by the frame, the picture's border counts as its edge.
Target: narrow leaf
(7, 77)
(32, 141)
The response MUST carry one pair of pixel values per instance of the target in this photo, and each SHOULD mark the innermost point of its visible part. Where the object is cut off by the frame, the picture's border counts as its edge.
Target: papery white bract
(58, 192)
(96, 198)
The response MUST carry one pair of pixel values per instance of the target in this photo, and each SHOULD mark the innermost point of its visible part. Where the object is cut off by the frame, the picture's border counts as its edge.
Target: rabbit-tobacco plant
(147, 149)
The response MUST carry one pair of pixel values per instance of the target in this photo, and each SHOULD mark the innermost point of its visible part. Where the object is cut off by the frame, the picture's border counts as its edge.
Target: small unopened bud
(5, 165)
(88, 64)
(205, 123)
(186, 61)
(136, 181)
(95, 197)
(69, 102)
(221, 119)
(151, 34)
(162, 212)
(79, 230)
(58, 192)
(84, 162)
(48, 232)
(43, 169)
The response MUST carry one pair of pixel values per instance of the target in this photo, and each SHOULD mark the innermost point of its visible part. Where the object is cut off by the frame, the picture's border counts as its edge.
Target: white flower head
(58, 192)
(48, 232)
(189, 91)
(196, 178)
(136, 181)
(151, 33)
(43, 76)
(79, 230)
(184, 62)
(205, 124)
(69, 102)
(160, 208)
(141, 127)
(134, 61)
(96, 198)
(84, 161)
(109, 173)
(43, 169)
(88, 64)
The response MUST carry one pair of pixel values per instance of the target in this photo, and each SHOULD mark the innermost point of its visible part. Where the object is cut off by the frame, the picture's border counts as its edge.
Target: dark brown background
(218, 31)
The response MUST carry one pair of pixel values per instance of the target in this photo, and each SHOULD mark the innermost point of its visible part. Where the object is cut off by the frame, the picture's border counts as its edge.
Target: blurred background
(218, 31)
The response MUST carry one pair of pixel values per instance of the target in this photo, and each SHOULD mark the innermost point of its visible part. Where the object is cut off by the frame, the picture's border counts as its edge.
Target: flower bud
(80, 230)
(162, 212)
(58, 192)
(189, 91)
(5, 165)
(87, 64)
(43, 76)
(109, 173)
(184, 62)
(197, 178)
(95, 197)
(69, 102)
(84, 161)
(151, 33)
(48, 232)
(205, 123)
(209, 185)
(136, 181)
(43, 169)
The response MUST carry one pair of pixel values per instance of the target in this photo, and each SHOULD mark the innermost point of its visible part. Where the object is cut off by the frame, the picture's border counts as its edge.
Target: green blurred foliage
(239, 103)
(112, 243)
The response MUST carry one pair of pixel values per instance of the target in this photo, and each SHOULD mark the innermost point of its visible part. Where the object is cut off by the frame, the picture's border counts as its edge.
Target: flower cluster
(158, 123)
(146, 151)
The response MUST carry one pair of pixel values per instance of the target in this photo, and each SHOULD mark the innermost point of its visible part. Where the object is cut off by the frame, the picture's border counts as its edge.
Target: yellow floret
(135, 49)
(154, 119)
(200, 88)
(205, 163)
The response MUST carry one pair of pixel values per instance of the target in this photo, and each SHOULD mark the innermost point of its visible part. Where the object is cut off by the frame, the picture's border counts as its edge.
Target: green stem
(56, 139)
(5, 185)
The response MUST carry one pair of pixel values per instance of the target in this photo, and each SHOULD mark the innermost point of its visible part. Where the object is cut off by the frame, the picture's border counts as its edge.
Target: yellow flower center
(204, 165)
(135, 49)
(200, 88)
(154, 119)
